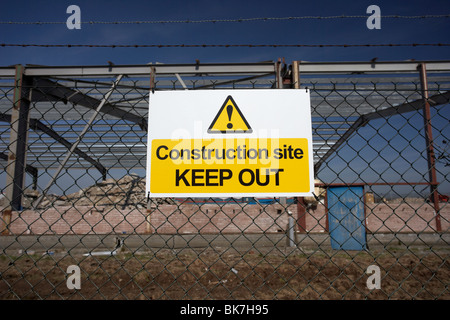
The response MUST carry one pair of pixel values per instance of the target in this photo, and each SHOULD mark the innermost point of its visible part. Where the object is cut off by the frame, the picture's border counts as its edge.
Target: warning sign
(230, 166)
(229, 119)
(201, 144)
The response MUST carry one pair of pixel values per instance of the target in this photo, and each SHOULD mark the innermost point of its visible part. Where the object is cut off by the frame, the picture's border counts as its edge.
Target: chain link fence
(76, 222)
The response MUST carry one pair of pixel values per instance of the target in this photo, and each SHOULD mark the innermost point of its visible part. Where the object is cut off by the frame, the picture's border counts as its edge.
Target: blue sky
(326, 31)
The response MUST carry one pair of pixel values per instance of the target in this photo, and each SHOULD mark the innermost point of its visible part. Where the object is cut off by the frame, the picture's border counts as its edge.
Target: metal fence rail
(76, 223)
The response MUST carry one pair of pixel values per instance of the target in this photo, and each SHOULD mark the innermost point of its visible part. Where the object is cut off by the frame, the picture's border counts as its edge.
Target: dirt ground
(228, 274)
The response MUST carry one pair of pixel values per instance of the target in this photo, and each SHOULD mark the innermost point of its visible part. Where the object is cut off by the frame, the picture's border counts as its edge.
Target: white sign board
(230, 143)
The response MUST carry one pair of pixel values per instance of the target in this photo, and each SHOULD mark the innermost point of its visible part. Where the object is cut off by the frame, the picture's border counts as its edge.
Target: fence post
(301, 206)
(151, 207)
(17, 149)
(282, 83)
(429, 145)
(291, 230)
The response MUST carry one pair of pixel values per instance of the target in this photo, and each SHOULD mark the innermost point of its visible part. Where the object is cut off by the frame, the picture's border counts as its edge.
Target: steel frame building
(49, 116)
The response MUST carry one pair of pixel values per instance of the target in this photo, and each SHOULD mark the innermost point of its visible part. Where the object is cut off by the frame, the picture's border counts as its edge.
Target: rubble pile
(127, 192)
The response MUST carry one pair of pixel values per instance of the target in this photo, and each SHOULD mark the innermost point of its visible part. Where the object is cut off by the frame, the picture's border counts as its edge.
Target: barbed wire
(233, 20)
(223, 45)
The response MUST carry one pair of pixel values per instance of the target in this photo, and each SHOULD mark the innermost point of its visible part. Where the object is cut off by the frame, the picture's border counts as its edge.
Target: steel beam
(278, 69)
(18, 138)
(30, 169)
(37, 125)
(181, 81)
(436, 100)
(234, 81)
(434, 197)
(370, 67)
(296, 74)
(15, 170)
(236, 68)
(301, 215)
(145, 70)
(416, 105)
(301, 206)
(80, 137)
(56, 92)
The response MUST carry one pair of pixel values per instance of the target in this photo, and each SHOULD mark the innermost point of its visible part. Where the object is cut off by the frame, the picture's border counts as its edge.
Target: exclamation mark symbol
(229, 112)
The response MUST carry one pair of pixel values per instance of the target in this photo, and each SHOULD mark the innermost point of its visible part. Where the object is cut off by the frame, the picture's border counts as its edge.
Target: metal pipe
(278, 76)
(291, 230)
(301, 215)
(119, 245)
(372, 184)
(151, 207)
(429, 145)
(296, 74)
(80, 137)
(181, 81)
(301, 206)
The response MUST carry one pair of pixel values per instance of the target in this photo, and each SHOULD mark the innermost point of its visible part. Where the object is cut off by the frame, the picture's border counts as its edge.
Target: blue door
(346, 217)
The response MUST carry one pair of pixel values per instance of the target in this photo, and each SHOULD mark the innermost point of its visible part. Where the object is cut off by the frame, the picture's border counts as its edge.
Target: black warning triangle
(229, 119)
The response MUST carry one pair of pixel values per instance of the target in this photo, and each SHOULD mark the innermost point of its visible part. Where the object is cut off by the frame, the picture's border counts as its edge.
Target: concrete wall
(137, 242)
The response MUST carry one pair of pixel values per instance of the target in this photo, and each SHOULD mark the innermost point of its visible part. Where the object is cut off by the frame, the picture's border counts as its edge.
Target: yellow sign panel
(230, 166)
(229, 119)
(230, 143)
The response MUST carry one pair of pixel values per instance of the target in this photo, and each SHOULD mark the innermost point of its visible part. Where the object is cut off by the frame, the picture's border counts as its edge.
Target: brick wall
(406, 217)
(79, 220)
(214, 218)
